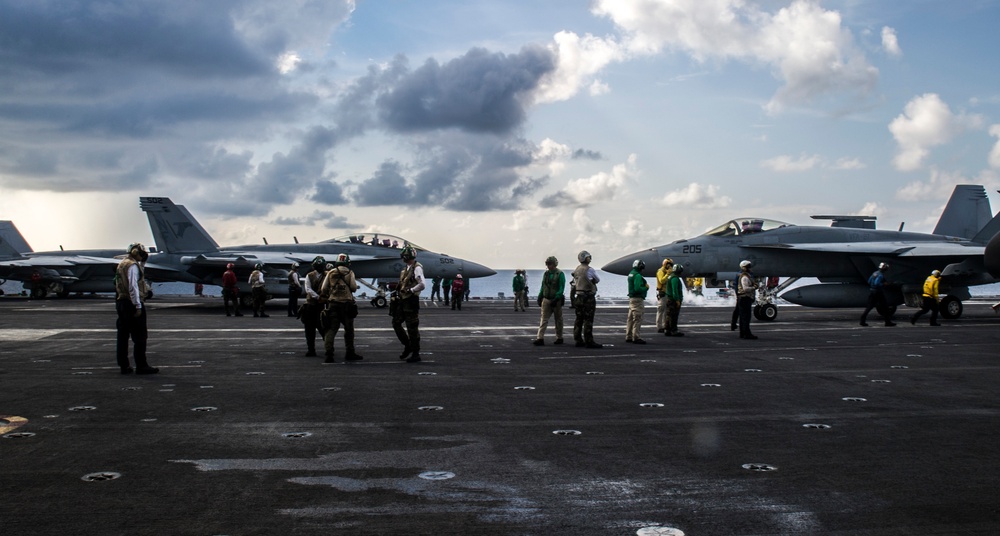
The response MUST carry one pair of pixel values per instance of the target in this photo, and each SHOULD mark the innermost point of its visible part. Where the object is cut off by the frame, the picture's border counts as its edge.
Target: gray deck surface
(465, 442)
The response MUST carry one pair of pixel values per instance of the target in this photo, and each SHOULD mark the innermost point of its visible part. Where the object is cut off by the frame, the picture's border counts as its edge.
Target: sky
(498, 131)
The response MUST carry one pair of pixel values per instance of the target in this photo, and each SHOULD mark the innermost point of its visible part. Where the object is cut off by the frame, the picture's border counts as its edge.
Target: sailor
(457, 292)
(746, 291)
(551, 300)
(675, 296)
(585, 282)
(446, 289)
(930, 298)
(338, 290)
(876, 296)
(404, 307)
(637, 290)
(258, 292)
(661, 294)
(518, 286)
(436, 289)
(294, 289)
(230, 291)
(313, 306)
(130, 293)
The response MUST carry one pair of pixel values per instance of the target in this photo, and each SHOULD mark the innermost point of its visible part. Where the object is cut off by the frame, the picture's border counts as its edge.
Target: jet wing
(264, 257)
(57, 261)
(894, 249)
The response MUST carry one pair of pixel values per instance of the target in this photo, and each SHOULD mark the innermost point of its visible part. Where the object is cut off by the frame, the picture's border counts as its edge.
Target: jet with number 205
(843, 256)
(184, 245)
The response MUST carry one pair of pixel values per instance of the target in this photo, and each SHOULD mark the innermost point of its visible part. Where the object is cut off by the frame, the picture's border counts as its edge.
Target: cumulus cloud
(890, 43)
(938, 186)
(806, 47)
(577, 61)
(696, 195)
(602, 186)
(785, 163)
(926, 122)
(847, 163)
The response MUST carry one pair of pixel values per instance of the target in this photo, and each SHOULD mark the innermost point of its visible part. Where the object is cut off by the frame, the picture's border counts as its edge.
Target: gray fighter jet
(184, 245)
(59, 272)
(843, 256)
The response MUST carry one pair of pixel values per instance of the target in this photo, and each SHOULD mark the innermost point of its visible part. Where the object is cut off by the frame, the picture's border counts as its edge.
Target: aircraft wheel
(768, 312)
(380, 302)
(951, 307)
(756, 312)
(245, 300)
(63, 294)
(39, 292)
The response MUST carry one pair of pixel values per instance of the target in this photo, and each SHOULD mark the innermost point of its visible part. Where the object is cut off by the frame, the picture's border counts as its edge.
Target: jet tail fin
(174, 228)
(12, 244)
(967, 212)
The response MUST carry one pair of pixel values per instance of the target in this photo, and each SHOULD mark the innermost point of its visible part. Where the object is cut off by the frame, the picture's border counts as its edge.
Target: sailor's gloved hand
(138, 313)
(539, 301)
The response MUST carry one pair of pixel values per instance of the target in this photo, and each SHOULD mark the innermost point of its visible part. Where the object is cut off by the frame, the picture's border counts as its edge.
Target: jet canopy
(374, 239)
(745, 226)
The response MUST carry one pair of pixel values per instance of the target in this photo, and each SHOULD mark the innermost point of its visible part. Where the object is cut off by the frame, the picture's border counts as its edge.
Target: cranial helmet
(343, 259)
(552, 260)
(936, 272)
(638, 265)
(745, 264)
(584, 257)
(678, 269)
(408, 253)
(295, 265)
(668, 262)
(138, 251)
(258, 266)
(459, 276)
(230, 266)
(318, 263)
(883, 266)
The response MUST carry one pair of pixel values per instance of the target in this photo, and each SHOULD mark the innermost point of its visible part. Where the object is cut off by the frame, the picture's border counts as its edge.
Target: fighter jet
(843, 256)
(183, 244)
(58, 272)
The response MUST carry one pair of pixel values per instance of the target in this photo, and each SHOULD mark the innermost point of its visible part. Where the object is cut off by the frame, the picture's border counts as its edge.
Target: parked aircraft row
(845, 254)
(185, 252)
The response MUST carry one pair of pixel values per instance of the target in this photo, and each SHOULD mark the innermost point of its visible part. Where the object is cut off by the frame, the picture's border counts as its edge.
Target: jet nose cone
(471, 269)
(623, 265)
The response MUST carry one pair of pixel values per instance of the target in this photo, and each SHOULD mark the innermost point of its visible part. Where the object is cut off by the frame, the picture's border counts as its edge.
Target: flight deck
(819, 427)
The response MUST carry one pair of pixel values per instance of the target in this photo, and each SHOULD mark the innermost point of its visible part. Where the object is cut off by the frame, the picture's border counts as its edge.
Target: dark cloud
(282, 180)
(586, 154)
(66, 37)
(558, 199)
(329, 193)
(478, 92)
(386, 187)
(328, 219)
(459, 173)
(130, 94)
